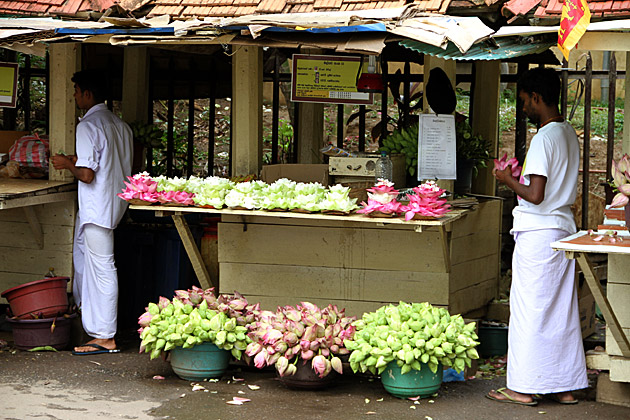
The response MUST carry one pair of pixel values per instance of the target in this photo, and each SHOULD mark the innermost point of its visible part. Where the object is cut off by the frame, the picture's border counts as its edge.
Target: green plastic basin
(422, 383)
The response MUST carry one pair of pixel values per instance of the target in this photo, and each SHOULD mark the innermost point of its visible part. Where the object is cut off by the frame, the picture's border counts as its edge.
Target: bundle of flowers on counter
(338, 199)
(621, 180)
(425, 202)
(247, 195)
(140, 187)
(308, 196)
(305, 333)
(196, 316)
(279, 195)
(211, 191)
(381, 198)
(174, 190)
(504, 162)
(410, 334)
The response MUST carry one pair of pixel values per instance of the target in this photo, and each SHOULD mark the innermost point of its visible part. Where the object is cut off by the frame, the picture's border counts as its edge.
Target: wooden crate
(618, 293)
(361, 266)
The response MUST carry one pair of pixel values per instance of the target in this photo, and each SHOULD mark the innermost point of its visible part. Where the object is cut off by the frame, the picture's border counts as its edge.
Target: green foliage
(285, 140)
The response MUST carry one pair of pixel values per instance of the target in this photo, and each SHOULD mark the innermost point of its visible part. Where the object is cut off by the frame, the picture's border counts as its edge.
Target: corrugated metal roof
(507, 48)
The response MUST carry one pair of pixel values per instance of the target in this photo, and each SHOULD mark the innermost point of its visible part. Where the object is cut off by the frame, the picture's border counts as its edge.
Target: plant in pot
(408, 344)
(472, 153)
(304, 343)
(199, 329)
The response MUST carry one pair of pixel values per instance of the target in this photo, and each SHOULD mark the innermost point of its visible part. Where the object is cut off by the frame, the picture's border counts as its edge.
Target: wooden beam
(65, 60)
(247, 75)
(486, 121)
(193, 252)
(602, 302)
(311, 132)
(135, 82)
(625, 138)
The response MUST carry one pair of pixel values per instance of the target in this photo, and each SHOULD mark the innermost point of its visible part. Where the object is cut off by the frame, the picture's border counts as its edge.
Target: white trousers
(95, 284)
(545, 350)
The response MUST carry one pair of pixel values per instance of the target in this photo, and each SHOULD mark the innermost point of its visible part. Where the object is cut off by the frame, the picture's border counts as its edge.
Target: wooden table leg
(602, 302)
(445, 248)
(193, 252)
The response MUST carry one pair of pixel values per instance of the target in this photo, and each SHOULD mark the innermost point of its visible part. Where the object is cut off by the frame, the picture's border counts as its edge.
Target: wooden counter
(356, 262)
(36, 229)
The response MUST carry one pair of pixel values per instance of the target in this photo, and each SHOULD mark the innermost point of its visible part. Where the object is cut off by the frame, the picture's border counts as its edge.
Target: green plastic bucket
(422, 383)
(493, 340)
(199, 362)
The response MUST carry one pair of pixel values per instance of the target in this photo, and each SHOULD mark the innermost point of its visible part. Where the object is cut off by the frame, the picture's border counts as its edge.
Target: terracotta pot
(306, 378)
(47, 296)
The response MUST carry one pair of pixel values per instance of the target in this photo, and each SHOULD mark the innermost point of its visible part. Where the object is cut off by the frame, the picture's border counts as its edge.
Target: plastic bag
(31, 153)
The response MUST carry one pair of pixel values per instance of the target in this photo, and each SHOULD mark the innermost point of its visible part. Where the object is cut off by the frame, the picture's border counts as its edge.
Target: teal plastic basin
(200, 362)
(422, 383)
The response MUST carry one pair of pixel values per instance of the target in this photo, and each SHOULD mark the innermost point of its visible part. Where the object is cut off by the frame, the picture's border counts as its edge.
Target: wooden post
(450, 69)
(247, 72)
(311, 132)
(625, 140)
(65, 60)
(486, 119)
(135, 89)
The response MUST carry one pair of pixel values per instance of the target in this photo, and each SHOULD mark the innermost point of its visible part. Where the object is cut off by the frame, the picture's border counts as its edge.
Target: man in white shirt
(104, 145)
(545, 350)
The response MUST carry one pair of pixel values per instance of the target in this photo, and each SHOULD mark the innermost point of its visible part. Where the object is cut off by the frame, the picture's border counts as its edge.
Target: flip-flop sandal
(99, 350)
(555, 398)
(509, 399)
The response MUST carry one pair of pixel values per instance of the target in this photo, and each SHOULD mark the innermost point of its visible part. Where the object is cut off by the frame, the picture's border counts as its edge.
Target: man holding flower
(545, 352)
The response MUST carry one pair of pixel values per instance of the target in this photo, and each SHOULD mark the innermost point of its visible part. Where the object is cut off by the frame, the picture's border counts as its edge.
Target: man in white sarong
(104, 157)
(545, 351)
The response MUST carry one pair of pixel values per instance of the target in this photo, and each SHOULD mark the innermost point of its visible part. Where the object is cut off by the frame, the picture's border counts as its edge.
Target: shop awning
(493, 49)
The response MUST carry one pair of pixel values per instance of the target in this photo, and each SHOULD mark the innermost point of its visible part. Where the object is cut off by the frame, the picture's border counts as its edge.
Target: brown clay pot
(306, 378)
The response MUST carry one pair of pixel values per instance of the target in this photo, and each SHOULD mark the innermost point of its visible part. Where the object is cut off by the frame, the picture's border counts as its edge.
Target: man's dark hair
(92, 80)
(542, 80)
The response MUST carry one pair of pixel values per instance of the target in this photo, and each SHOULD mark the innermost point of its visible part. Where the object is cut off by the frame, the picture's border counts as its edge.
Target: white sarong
(95, 283)
(545, 350)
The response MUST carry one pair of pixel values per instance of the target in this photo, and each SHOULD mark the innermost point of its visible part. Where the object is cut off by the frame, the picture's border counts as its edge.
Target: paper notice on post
(436, 147)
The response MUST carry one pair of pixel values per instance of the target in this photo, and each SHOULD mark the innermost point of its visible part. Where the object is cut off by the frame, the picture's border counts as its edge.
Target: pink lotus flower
(504, 162)
(383, 192)
(281, 365)
(621, 179)
(337, 365)
(319, 365)
(261, 359)
(145, 319)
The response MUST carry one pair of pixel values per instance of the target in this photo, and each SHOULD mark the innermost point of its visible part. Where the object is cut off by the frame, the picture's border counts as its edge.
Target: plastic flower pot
(44, 298)
(31, 333)
(306, 378)
(203, 361)
(493, 340)
(415, 383)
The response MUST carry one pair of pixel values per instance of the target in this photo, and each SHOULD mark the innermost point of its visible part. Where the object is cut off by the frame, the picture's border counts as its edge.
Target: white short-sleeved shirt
(105, 145)
(554, 153)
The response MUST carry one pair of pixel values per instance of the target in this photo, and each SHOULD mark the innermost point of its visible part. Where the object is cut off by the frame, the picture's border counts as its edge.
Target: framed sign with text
(8, 84)
(327, 79)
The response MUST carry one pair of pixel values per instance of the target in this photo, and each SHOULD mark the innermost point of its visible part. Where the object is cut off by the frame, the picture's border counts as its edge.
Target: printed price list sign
(436, 147)
(327, 79)
(8, 85)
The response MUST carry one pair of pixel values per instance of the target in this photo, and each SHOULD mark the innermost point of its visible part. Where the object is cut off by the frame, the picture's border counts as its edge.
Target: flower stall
(277, 246)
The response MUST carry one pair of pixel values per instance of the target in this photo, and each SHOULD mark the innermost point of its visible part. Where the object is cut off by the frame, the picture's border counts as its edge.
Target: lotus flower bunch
(304, 332)
(504, 162)
(308, 196)
(338, 199)
(279, 195)
(196, 316)
(381, 198)
(425, 201)
(410, 334)
(621, 179)
(210, 191)
(246, 194)
(140, 186)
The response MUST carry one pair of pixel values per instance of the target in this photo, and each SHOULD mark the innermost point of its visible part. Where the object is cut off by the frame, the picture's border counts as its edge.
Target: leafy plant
(471, 146)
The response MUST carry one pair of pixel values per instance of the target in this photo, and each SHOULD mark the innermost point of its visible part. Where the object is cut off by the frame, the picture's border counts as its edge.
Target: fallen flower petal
(232, 402)
(158, 377)
(241, 399)
(198, 387)
(367, 400)
(253, 387)
(414, 398)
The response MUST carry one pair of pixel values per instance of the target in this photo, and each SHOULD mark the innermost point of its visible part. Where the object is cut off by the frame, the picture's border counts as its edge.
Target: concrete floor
(49, 385)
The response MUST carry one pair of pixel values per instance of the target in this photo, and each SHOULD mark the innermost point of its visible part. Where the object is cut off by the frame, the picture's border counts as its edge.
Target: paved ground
(47, 385)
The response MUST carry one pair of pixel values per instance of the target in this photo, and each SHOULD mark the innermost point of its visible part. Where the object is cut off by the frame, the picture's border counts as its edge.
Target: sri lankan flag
(575, 19)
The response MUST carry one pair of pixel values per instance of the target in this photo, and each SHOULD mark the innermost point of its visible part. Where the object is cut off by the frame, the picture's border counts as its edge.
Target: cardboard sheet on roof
(296, 172)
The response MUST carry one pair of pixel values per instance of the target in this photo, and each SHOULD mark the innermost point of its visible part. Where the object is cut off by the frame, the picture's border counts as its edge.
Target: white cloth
(545, 351)
(554, 153)
(105, 145)
(95, 283)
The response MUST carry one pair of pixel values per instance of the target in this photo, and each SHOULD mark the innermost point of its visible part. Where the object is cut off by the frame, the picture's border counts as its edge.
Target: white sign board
(436, 147)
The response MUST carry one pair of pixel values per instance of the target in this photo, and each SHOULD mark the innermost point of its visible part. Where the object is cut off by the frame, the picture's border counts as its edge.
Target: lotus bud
(182, 294)
(314, 345)
(295, 350)
(290, 338)
(336, 364)
(319, 365)
(163, 302)
(281, 365)
(307, 355)
(325, 352)
(238, 304)
(293, 315)
(272, 336)
(153, 309)
(145, 319)
(334, 348)
(310, 333)
(281, 347)
(305, 344)
(270, 349)
(271, 359)
(290, 370)
(298, 328)
(259, 360)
